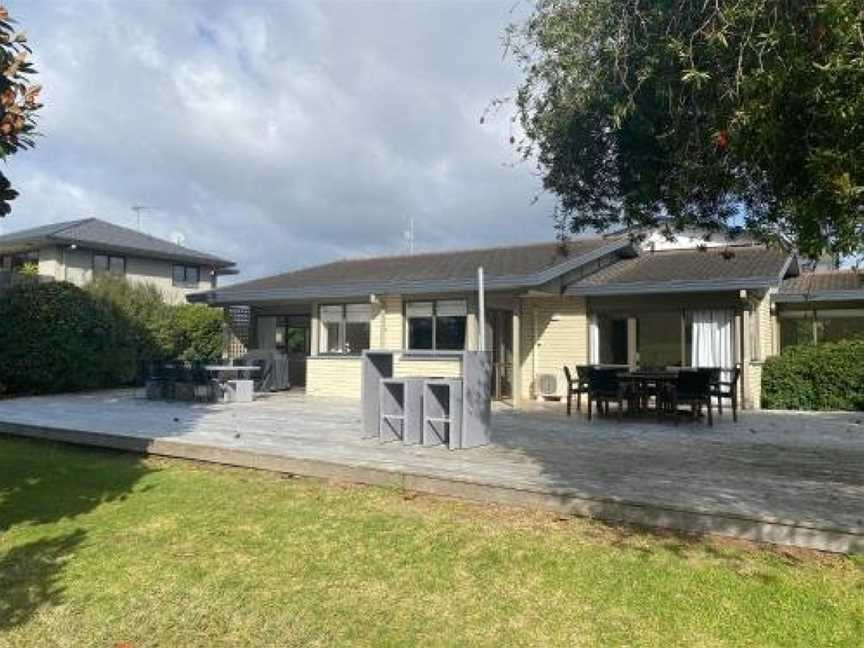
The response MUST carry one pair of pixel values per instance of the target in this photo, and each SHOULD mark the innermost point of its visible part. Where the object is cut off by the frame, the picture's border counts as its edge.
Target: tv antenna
(138, 209)
(408, 234)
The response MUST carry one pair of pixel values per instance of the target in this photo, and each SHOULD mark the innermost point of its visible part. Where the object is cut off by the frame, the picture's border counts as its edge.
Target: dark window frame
(186, 282)
(107, 268)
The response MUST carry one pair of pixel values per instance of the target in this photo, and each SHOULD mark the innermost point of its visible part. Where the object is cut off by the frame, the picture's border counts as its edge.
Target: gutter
(678, 286)
(823, 296)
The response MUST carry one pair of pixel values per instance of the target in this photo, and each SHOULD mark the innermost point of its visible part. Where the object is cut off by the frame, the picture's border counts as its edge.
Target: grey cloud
(278, 134)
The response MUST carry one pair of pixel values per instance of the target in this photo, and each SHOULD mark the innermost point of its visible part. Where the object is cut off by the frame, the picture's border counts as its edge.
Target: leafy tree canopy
(19, 100)
(706, 114)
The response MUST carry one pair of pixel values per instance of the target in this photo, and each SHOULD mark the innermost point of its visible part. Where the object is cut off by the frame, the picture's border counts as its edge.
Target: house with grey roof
(694, 301)
(77, 251)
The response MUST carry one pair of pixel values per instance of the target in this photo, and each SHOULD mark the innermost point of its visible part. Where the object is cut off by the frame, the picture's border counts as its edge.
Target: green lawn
(98, 548)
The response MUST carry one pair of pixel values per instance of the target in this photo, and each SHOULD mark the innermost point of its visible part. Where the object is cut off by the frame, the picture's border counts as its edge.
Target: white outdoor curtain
(593, 341)
(712, 338)
(331, 313)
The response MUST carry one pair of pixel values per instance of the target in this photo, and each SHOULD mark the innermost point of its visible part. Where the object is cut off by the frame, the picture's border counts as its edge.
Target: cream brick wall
(430, 368)
(76, 266)
(340, 377)
(554, 332)
(762, 313)
(385, 331)
(333, 377)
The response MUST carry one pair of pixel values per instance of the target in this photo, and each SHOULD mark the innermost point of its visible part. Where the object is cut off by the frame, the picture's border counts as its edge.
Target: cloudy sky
(278, 134)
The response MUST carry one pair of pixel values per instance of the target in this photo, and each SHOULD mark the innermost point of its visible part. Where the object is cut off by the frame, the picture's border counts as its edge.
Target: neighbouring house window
(185, 276)
(796, 327)
(843, 324)
(437, 325)
(19, 261)
(812, 327)
(345, 328)
(109, 264)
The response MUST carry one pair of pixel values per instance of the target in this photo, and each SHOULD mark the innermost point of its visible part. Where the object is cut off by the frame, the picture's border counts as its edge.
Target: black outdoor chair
(577, 386)
(721, 389)
(603, 387)
(691, 388)
(205, 387)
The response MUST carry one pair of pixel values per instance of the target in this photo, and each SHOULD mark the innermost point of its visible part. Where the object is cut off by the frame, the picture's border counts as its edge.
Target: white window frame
(435, 306)
(343, 321)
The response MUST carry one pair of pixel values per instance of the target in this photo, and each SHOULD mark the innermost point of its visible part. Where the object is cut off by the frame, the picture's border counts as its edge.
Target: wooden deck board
(782, 477)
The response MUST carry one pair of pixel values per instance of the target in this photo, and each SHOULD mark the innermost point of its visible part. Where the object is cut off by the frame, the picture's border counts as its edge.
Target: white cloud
(277, 134)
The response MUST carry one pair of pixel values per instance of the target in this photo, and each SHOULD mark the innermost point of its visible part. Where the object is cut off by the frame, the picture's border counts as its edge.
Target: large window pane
(117, 265)
(796, 329)
(834, 329)
(356, 337)
(659, 340)
(420, 333)
(450, 333)
(612, 340)
(330, 338)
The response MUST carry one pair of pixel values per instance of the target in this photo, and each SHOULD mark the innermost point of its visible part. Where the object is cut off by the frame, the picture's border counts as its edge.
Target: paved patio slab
(788, 478)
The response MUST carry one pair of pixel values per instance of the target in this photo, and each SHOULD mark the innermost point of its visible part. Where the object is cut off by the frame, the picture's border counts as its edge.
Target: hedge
(826, 376)
(56, 337)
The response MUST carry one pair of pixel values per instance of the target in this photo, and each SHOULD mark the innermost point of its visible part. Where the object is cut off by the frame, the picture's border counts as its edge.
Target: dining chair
(577, 385)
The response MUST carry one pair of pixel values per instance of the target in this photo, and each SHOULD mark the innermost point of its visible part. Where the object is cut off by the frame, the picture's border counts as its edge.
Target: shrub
(56, 337)
(197, 331)
(827, 376)
(142, 303)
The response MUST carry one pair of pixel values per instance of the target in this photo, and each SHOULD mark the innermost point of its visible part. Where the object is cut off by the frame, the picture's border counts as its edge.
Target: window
(811, 327)
(292, 334)
(436, 325)
(185, 276)
(345, 328)
(107, 264)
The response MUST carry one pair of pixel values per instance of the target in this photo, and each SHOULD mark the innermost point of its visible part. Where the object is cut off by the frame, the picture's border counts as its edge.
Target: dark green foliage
(56, 337)
(635, 111)
(197, 331)
(826, 376)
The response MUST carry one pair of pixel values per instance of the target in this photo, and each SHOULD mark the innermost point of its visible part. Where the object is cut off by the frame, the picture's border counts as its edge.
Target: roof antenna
(138, 209)
(408, 235)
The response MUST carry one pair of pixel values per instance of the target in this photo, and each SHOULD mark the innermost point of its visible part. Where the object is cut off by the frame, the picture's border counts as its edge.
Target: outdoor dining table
(240, 389)
(643, 381)
(238, 369)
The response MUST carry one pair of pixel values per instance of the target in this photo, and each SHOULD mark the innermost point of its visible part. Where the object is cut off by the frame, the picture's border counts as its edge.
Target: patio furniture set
(659, 390)
(236, 382)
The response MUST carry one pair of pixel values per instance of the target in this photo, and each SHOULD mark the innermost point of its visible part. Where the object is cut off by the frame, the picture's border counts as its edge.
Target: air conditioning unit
(547, 386)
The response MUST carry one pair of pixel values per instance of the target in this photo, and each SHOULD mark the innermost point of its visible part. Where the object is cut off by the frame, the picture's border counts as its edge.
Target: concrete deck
(787, 478)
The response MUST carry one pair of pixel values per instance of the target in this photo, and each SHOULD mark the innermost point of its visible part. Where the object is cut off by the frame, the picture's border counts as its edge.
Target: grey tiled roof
(503, 267)
(101, 235)
(712, 268)
(816, 282)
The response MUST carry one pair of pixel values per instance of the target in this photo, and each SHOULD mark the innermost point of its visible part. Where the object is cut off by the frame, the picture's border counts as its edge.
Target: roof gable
(99, 234)
(729, 268)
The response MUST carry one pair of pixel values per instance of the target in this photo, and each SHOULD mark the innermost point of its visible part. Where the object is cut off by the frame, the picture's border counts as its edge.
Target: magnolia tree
(716, 113)
(19, 100)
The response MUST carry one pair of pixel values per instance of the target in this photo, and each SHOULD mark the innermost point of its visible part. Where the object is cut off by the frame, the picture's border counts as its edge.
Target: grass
(99, 548)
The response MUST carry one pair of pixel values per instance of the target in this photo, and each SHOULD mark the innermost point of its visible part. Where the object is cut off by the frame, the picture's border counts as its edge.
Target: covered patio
(786, 478)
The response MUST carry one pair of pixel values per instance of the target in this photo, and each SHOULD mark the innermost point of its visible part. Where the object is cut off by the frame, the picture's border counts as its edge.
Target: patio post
(517, 355)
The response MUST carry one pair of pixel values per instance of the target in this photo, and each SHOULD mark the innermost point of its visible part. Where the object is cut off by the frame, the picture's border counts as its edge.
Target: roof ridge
(501, 246)
(70, 224)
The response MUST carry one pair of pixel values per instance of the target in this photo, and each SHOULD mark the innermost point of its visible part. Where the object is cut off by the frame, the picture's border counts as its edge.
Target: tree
(721, 113)
(19, 100)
